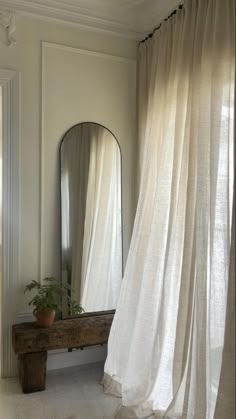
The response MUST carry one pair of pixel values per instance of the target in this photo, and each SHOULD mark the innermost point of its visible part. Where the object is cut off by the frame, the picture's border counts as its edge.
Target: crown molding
(73, 15)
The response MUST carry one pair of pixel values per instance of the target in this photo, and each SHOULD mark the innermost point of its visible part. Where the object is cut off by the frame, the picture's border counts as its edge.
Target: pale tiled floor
(72, 393)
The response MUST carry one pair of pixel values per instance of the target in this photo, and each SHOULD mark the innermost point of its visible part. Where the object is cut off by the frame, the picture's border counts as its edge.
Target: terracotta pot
(45, 318)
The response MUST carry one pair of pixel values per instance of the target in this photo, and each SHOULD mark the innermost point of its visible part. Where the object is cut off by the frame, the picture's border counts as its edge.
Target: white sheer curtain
(168, 334)
(102, 247)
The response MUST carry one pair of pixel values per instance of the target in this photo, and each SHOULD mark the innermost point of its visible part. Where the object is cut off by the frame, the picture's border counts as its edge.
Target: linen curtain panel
(102, 245)
(169, 333)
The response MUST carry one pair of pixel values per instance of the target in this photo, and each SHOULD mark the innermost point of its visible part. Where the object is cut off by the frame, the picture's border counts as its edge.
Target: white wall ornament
(8, 27)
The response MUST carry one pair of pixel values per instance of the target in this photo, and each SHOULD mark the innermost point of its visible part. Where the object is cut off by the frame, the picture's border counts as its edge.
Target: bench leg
(32, 371)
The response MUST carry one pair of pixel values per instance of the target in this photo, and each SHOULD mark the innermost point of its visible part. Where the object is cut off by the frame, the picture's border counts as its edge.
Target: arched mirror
(91, 217)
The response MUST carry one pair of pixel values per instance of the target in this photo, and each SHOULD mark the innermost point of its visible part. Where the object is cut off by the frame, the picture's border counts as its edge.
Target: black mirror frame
(95, 313)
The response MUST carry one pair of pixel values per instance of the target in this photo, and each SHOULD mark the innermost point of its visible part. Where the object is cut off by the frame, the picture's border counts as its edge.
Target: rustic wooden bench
(31, 343)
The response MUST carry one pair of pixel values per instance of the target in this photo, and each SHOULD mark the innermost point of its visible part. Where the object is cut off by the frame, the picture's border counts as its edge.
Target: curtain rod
(150, 35)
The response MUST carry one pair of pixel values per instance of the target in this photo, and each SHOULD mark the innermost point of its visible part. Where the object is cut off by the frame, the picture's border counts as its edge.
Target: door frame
(9, 82)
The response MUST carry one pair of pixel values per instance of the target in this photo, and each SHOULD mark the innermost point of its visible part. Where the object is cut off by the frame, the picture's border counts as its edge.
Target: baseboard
(61, 358)
(65, 359)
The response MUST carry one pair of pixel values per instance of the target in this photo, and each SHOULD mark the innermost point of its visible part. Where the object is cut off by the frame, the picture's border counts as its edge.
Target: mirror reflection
(91, 230)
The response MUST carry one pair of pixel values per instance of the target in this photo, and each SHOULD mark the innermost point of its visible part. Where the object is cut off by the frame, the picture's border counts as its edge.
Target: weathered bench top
(86, 330)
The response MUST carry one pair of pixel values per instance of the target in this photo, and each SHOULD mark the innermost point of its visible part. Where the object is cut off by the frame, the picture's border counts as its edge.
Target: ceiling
(129, 18)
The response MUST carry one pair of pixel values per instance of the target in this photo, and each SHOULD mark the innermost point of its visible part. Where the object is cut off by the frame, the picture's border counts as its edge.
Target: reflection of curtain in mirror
(102, 250)
(74, 179)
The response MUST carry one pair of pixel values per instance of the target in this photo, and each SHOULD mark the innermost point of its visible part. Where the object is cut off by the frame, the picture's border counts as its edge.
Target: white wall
(25, 57)
(80, 85)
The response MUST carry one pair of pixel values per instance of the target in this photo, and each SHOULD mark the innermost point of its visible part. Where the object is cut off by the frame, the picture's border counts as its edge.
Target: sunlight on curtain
(167, 338)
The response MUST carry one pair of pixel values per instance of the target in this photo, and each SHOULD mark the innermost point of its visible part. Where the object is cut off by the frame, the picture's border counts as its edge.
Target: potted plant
(48, 299)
